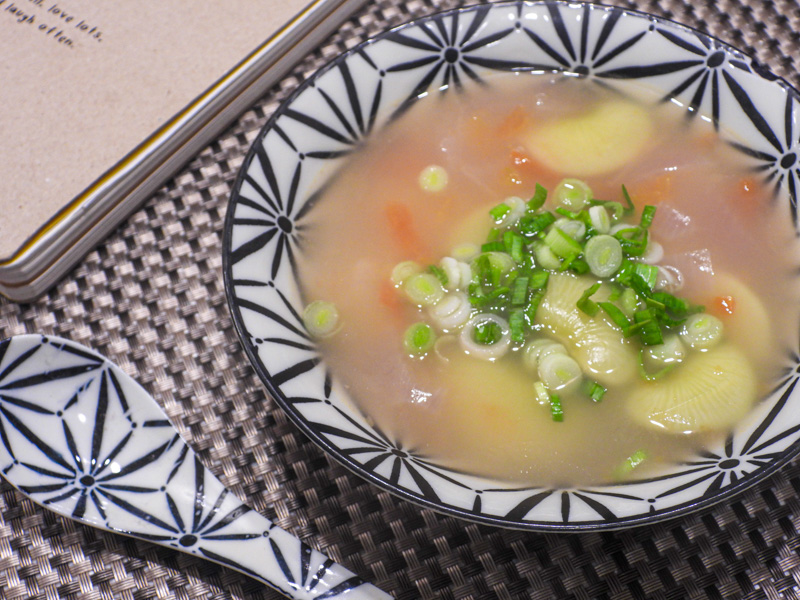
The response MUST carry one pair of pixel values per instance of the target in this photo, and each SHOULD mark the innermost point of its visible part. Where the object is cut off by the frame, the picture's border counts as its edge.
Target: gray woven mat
(151, 298)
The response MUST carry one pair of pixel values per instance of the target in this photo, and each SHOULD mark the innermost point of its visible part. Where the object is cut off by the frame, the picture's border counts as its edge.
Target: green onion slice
(586, 304)
(423, 289)
(562, 245)
(617, 316)
(516, 325)
(556, 410)
(603, 254)
(649, 330)
(630, 463)
(594, 390)
(648, 213)
(538, 199)
(500, 211)
(629, 208)
(418, 339)
(321, 319)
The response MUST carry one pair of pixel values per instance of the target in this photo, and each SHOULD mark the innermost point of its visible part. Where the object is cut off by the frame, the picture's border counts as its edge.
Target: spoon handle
(81, 438)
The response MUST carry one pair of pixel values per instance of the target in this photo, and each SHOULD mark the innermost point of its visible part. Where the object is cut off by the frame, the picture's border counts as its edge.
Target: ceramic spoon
(81, 438)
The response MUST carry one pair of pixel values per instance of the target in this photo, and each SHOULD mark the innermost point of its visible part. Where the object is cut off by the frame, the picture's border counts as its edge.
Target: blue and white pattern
(310, 135)
(81, 438)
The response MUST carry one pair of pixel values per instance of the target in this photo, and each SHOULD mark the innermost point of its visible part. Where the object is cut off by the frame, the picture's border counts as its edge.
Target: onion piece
(484, 351)
(452, 311)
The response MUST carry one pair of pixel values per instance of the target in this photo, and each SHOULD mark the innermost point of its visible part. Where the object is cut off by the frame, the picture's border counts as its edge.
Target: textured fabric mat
(151, 298)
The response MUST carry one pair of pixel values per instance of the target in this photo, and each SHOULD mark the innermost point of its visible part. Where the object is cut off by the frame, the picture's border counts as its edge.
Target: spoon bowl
(81, 438)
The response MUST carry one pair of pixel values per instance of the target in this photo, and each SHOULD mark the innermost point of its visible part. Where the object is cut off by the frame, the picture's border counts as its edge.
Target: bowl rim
(683, 509)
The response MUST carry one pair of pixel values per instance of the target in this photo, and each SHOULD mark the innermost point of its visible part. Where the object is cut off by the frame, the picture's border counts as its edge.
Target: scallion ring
(486, 336)
(321, 319)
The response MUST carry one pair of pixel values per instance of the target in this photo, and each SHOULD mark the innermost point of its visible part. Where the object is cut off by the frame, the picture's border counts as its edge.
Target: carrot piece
(722, 306)
(526, 170)
(404, 234)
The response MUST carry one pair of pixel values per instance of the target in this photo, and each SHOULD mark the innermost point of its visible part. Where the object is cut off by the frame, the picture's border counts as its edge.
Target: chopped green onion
(321, 319)
(670, 352)
(480, 300)
(615, 207)
(418, 339)
(649, 330)
(573, 194)
(603, 254)
(579, 266)
(423, 289)
(701, 331)
(599, 219)
(562, 245)
(404, 270)
(677, 306)
(433, 178)
(617, 316)
(633, 240)
(556, 410)
(492, 267)
(630, 463)
(629, 208)
(439, 273)
(487, 333)
(514, 244)
(520, 292)
(648, 212)
(545, 257)
(465, 252)
(559, 371)
(516, 325)
(494, 234)
(541, 393)
(530, 226)
(659, 307)
(493, 247)
(585, 304)
(533, 305)
(500, 211)
(573, 228)
(628, 302)
(655, 375)
(594, 390)
(647, 275)
(538, 280)
(538, 199)
(539, 347)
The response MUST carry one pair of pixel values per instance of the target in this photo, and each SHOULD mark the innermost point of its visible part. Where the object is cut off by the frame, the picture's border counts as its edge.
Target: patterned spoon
(81, 438)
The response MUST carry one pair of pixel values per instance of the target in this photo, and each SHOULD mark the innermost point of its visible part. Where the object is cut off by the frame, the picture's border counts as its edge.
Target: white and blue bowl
(353, 97)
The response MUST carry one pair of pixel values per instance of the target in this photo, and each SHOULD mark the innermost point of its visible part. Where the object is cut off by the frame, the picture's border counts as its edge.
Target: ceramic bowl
(353, 97)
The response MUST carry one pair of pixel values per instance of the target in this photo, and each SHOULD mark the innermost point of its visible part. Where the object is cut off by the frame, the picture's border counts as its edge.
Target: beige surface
(90, 80)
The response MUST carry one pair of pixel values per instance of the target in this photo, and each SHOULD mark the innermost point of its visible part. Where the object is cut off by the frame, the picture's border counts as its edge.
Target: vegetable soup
(550, 281)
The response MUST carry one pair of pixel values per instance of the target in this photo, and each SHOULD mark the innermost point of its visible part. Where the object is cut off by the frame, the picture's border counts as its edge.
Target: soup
(557, 284)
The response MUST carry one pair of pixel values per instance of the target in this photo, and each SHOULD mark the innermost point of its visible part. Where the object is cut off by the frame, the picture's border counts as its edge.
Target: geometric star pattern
(81, 438)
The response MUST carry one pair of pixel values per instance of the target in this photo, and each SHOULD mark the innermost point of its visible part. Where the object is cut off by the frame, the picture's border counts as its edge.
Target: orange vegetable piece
(403, 232)
(388, 297)
(526, 170)
(722, 306)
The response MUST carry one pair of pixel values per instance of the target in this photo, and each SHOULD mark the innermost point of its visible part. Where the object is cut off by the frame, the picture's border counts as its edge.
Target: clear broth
(480, 417)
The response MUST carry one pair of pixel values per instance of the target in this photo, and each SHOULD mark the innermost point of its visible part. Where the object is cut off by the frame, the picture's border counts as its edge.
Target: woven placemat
(151, 298)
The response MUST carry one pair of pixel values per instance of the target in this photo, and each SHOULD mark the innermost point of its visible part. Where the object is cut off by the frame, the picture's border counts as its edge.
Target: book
(104, 101)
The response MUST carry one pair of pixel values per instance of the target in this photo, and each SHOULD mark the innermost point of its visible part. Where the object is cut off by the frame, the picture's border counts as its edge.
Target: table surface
(151, 298)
